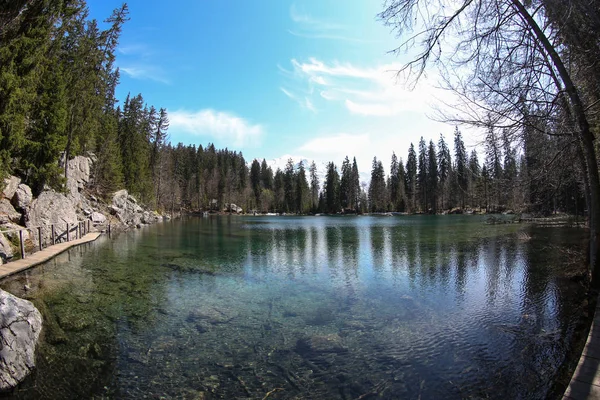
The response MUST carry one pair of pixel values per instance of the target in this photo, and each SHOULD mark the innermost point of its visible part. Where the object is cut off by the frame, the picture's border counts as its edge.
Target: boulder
(51, 208)
(126, 209)
(6, 250)
(22, 197)
(10, 186)
(233, 208)
(98, 218)
(20, 326)
(9, 212)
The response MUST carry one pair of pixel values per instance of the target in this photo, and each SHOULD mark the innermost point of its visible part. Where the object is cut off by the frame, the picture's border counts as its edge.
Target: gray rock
(78, 173)
(233, 208)
(51, 208)
(98, 218)
(13, 235)
(9, 211)
(20, 326)
(6, 250)
(10, 186)
(22, 197)
(331, 343)
(126, 209)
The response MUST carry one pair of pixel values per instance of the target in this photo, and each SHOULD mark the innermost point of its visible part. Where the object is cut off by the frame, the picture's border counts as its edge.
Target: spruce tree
(432, 177)
(314, 187)
(461, 168)
(411, 178)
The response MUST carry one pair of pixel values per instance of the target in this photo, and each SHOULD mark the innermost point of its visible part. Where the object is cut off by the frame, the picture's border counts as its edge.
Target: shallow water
(308, 307)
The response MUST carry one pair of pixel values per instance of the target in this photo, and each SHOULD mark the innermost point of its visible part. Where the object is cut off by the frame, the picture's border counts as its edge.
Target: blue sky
(274, 78)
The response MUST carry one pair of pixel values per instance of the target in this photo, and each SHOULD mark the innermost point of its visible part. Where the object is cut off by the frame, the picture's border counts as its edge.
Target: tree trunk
(585, 136)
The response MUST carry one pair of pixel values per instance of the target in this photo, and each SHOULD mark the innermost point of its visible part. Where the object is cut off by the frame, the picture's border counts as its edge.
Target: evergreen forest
(57, 100)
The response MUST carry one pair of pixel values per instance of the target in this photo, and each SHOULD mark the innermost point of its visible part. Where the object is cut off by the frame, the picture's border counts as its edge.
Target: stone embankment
(20, 321)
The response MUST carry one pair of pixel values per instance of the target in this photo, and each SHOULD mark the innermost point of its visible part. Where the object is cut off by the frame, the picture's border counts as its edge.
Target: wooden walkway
(585, 383)
(44, 255)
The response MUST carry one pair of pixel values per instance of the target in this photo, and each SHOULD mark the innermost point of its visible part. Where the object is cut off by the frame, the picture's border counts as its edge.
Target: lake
(407, 307)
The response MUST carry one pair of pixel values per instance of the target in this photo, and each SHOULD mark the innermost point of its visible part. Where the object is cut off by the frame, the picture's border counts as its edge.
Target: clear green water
(311, 307)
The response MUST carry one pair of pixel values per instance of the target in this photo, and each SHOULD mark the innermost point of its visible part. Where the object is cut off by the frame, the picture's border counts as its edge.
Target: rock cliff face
(20, 327)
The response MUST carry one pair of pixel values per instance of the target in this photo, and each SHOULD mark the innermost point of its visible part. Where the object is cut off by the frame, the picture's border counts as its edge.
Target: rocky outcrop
(10, 186)
(78, 174)
(127, 210)
(8, 212)
(51, 208)
(22, 197)
(20, 326)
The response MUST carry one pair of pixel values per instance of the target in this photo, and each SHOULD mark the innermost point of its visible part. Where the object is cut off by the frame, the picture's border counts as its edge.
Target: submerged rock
(210, 314)
(331, 343)
(20, 326)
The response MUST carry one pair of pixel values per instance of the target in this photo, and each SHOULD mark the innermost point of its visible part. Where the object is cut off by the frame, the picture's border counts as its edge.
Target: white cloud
(145, 72)
(216, 124)
(336, 145)
(303, 100)
(302, 18)
(310, 27)
(367, 91)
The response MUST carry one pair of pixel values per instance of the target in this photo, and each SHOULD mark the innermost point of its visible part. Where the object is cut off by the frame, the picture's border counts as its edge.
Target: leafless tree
(509, 59)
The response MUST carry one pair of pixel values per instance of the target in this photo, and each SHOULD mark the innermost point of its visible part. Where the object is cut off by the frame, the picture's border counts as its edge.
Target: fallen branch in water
(271, 392)
(377, 390)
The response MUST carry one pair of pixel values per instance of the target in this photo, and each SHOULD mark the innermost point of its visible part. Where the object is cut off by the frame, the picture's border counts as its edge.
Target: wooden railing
(72, 231)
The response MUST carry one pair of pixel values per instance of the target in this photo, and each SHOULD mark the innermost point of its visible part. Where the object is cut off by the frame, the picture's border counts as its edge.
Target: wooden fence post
(78, 231)
(109, 230)
(40, 236)
(22, 244)
(88, 229)
(68, 239)
(53, 235)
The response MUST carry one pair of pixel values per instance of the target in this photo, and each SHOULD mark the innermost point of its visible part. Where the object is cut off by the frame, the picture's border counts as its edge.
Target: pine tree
(445, 166)
(332, 189)
(402, 203)
(289, 186)
(314, 187)
(355, 187)
(474, 177)
(377, 188)
(266, 175)
(411, 178)
(346, 184)
(422, 175)
(461, 168)
(255, 181)
(302, 193)
(432, 176)
(394, 184)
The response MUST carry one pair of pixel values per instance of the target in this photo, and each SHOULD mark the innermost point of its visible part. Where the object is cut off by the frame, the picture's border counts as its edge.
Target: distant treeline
(57, 100)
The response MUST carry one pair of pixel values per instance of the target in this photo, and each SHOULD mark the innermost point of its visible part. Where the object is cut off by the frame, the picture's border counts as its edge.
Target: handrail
(80, 228)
